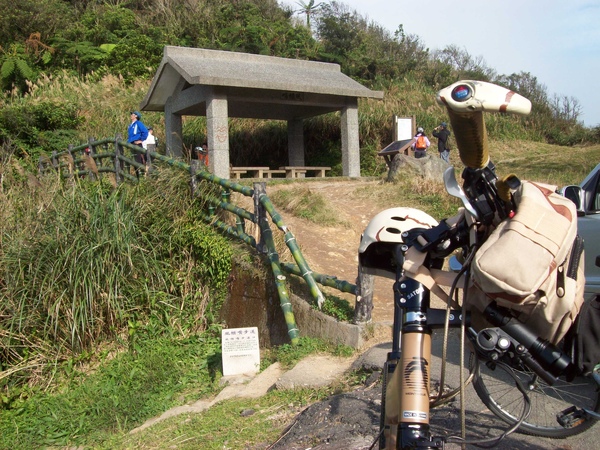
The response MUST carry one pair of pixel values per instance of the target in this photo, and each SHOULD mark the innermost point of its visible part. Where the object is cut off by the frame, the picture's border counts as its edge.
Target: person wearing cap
(137, 133)
(442, 133)
(202, 154)
(420, 143)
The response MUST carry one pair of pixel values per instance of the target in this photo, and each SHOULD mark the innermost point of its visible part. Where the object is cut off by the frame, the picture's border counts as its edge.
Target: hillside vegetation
(144, 263)
(73, 70)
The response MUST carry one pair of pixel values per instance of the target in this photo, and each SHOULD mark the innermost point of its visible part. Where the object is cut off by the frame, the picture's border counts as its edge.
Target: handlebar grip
(466, 101)
(471, 138)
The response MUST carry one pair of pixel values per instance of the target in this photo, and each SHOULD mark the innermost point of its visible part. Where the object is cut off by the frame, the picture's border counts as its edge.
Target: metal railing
(115, 156)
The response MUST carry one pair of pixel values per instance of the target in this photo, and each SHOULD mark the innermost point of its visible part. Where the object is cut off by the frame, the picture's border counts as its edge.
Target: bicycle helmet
(383, 232)
(420, 130)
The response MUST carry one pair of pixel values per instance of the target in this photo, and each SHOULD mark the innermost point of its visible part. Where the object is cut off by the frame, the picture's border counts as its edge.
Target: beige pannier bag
(532, 263)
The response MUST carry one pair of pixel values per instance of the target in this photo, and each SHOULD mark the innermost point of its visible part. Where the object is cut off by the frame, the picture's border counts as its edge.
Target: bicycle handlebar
(466, 101)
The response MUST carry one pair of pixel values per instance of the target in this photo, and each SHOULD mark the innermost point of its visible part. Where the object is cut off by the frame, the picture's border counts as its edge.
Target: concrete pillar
(350, 142)
(296, 142)
(217, 130)
(173, 131)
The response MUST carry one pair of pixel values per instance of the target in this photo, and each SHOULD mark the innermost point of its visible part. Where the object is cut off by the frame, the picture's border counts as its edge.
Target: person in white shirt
(150, 139)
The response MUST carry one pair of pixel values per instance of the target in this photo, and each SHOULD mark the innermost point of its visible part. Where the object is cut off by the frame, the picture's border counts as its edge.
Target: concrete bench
(255, 172)
(271, 172)
(301, 171)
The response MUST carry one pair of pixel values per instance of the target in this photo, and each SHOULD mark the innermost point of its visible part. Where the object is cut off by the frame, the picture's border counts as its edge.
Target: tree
(21, 62)
(465, 65)
(364, 49)
(21, 19)
(527, 85)
(309, 8)
(566, 108)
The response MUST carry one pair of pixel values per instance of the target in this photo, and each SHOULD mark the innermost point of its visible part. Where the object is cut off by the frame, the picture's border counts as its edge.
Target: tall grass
(537, 161)
(103, 102)
(121, 393)
(84, 261)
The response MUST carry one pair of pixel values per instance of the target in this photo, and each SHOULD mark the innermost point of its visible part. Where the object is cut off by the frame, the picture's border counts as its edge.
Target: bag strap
(433, 280)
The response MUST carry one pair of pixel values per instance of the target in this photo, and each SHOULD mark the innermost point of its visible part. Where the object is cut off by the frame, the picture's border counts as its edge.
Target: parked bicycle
(522, 352)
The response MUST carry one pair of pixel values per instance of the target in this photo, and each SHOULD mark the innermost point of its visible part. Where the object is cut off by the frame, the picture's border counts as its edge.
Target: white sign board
(240, 350)
(403, 128)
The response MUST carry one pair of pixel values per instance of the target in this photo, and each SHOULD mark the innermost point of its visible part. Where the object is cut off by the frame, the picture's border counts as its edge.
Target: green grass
(303, 202)
(338, 308)
(124, 390)
(288, 355)
(536, 161)
(98, 403)
(224, 425)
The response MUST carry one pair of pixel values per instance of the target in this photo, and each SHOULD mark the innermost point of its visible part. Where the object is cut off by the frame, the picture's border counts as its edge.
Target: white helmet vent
(388, 225)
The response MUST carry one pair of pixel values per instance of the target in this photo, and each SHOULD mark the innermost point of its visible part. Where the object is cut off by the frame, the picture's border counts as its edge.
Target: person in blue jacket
(136, 135)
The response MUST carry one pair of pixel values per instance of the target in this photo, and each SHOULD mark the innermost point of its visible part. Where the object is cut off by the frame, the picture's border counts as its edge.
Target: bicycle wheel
(498, 391)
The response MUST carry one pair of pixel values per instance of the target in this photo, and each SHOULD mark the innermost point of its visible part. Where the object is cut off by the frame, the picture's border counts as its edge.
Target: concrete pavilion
(222, 84)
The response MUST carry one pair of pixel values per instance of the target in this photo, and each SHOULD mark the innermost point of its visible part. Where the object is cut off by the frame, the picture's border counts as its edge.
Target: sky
(557, 41)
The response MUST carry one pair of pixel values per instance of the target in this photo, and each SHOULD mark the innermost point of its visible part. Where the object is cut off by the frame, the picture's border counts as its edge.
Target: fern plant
(14, 66)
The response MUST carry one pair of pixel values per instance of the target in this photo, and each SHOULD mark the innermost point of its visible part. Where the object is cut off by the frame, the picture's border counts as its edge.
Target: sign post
(241, 352)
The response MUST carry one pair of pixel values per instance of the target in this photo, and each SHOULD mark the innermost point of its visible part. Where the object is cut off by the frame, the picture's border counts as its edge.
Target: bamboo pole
(325, 280)
(284, 299)
(290, 241)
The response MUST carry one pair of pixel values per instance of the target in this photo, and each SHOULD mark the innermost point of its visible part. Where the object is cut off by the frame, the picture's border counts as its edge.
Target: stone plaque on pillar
(240, 350)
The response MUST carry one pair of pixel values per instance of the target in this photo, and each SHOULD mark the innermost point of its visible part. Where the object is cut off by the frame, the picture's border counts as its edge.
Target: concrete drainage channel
(254, 302)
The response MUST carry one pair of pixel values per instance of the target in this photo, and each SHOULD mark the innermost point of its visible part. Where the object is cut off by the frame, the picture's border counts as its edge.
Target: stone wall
(253, 301)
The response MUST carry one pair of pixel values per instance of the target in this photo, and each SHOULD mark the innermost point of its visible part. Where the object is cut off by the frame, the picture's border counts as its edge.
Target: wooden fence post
(364, 297)
(260, 213)
(91, 141)
(118, 152)
(150, 148)
(72, 168)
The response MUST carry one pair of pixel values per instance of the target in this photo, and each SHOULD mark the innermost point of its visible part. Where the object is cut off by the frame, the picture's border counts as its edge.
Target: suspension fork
(406, 424)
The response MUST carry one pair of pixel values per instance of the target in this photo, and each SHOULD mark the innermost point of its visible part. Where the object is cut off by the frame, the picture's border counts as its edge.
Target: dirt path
(334, 250)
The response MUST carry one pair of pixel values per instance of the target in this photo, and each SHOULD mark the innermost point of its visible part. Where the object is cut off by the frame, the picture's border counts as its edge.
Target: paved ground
(351, 420)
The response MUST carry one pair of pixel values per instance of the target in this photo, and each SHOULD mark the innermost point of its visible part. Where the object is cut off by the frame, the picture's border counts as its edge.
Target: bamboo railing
(113, 155)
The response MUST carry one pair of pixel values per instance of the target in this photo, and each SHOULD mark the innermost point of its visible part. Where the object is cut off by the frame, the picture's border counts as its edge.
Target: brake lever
(438, 241)
(454, 189)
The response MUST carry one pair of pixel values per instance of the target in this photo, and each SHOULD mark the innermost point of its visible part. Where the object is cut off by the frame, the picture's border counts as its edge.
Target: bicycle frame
(408, 365)
(407, 370)
(406, 375)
